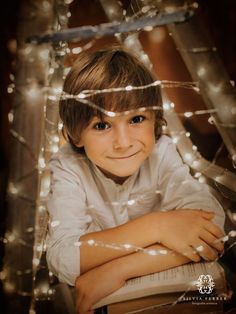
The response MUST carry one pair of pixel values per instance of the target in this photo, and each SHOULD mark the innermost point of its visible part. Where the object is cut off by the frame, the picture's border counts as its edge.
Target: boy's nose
(122, 138)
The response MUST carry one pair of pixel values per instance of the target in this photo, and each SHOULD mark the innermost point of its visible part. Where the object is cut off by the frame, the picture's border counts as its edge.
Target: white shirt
(83, 200)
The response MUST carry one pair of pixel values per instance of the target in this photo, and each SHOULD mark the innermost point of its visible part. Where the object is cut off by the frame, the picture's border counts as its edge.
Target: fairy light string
(51, 145)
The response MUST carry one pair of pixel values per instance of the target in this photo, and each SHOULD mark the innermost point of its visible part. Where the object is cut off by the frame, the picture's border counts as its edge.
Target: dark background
(221, 18)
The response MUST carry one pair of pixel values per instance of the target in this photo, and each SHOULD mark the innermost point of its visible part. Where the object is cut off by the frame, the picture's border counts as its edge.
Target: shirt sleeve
(69, 219)
(181, 190)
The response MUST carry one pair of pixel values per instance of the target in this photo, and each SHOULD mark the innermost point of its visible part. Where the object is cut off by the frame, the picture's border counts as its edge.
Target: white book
(178, 279)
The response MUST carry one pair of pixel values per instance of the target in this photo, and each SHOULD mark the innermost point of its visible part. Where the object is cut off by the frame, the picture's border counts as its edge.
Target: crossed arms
(186, 234)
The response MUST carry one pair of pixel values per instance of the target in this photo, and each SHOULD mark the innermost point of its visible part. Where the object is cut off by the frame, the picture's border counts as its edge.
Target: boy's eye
(100, 126)
(137, 119)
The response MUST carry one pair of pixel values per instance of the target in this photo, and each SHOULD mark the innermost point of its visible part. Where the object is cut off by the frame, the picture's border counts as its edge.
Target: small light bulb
(188, 114)
(32, 93)
(55, 223)
(127, 246)
(188, 156)
(202, 179)
(76, 50)
(10, 117)
(39, 248)
(60, 126)
(148, 28)
(41, 162)
(175, 140)
(163, 252)
(152, 252)
(197, 174)
(78, 243)
(35, 261)
(12, 189)
(201, 71)
(166, 106)
(129, 87)
(131, 202)
(54, 148)
(91, 242)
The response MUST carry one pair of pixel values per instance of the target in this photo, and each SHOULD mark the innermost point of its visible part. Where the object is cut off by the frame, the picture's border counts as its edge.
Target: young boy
(120, 181)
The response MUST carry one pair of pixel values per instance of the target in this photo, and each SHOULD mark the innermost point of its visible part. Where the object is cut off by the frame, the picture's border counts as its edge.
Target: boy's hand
(191, 233)
(95, 284)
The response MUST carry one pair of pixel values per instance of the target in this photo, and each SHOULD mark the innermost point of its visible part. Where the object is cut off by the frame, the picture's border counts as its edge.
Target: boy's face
(119, 145)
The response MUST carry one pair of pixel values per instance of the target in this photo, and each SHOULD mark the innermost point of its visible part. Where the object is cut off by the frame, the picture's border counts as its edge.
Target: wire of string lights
(38, 87)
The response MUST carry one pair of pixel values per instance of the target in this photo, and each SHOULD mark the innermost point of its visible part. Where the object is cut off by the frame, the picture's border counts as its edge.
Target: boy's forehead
(126, 113)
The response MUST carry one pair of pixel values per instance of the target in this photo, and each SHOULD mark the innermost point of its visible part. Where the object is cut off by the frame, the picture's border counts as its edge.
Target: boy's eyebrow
(128, 113)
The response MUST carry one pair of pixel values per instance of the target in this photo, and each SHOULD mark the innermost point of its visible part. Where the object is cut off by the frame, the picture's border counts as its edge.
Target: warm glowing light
(232, 233)
(10, 117)
(10, 89)
(41, 208)
(78, 243)
(200, 248)
(36, 261)
(197, 175)
(45, 185)
(163, 251)
(170, 9)
(127, 246)
(3, 275)
(60, 126)
(152, 252)
(55, 138)
(131, 202)
(188, 114)
(91, 242)
(196, 163)
(129, 87)
(39, 248)
(32, 93)
(81, 95)
(188, 157)
(175, 139)
(76, 50)
(43, 54)
(201, 71)
(166, 106)
(9, 287)
(215, 88)
(54, 148)
(41, 163)
(148, 28)
(157, 35)
(12, 189)
(51, 71)
(55, 223)
(202, 179)
(145, 9)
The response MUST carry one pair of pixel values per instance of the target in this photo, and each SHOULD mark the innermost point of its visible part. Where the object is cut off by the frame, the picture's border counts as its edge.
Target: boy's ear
(79, 144)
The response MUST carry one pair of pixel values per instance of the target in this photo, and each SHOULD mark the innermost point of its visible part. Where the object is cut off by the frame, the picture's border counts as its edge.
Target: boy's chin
(118, 176)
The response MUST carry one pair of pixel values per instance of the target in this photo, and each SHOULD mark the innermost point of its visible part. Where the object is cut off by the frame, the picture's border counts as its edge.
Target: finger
(191, 254)
(207, 215)
(85, 306)
(205, 251)
(210, 239)
(214, 229)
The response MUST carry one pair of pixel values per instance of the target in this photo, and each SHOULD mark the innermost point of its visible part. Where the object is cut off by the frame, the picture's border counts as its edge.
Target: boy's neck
(116, 179)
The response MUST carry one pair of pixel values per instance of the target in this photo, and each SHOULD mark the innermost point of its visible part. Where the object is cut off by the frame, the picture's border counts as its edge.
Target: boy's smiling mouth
(124, 157)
